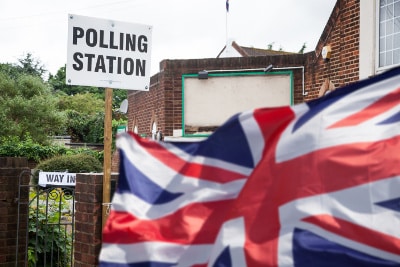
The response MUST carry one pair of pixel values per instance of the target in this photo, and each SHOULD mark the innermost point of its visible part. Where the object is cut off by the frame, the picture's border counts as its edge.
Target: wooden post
(107, 155)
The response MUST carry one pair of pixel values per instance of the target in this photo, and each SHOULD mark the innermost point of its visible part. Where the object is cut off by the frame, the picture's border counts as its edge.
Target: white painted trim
(368, 39)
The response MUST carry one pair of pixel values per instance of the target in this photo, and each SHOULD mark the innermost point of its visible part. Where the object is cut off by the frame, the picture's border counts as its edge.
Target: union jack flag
(316, 184)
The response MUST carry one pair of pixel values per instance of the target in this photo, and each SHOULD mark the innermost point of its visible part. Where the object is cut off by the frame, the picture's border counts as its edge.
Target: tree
(270, 46)
(84, 107)
(10, 70)
(85, 117)
(27, 65)
(31, 66)
(303, 48)
(86, 103)
(28, 107)
(58, 83)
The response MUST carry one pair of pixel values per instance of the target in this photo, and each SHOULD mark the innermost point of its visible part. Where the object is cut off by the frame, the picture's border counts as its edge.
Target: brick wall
(342, 34)
(163, 102)
(10, 171)
(88, 213)
(88, 218)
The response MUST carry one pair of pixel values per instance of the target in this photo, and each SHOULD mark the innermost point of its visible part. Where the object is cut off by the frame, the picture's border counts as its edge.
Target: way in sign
(59, 178)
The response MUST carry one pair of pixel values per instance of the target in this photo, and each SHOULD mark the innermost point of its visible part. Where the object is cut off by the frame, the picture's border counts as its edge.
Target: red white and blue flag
(316, 184)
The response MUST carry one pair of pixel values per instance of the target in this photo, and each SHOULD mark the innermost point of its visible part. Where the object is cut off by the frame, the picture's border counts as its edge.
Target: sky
(181, 29)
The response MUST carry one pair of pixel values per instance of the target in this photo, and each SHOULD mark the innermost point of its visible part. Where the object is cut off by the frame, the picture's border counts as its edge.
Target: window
(389, 33)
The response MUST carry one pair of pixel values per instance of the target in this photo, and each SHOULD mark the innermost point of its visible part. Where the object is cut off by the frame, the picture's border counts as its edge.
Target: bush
(72, 163)
(14, 147)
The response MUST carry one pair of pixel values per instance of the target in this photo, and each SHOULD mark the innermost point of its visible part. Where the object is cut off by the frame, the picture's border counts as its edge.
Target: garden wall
(10, 171)
(88, 213)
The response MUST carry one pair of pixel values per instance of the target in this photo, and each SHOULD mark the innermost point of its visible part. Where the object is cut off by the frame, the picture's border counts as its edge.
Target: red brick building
(359, 39)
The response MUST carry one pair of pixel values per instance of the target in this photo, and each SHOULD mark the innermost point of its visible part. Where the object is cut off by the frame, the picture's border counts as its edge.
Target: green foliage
(87, 128)
(115, 124)
(86, 103)
(84, 108)
(85, 117)
(31, 66)
(118, 96)
(8, 73)
(28, 65)
(76, 163)
(303, 48)
(31, 107)
(14, 147)
(59, 85)
(57, 82)
(28, 108)
(95, 133)
(48, 242)
(76, 125)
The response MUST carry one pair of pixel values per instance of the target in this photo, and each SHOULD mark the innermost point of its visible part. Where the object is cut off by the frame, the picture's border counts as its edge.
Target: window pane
(389, 58)
(382, 13)
(396, 56)
(389, 12)
(381, 59)
(389, 27)
(397, 9)
(396, 41)
(389, 42)
(382, 31)
(397, 24)
(382, 44)
(389, 33)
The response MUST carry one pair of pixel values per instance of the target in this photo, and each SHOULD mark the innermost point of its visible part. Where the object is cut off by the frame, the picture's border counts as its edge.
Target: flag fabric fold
(316, 184)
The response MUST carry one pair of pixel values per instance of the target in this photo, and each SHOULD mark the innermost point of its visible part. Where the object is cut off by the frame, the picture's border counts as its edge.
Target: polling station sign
(108, 53)
(57, 178)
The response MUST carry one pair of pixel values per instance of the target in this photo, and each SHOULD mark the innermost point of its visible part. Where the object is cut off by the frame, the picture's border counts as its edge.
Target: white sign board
(208, 103)
(57, 178)
(108, 53)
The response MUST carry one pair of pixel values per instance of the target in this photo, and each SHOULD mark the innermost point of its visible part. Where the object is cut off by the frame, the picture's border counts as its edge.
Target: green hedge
(13, 147)
(70, 163)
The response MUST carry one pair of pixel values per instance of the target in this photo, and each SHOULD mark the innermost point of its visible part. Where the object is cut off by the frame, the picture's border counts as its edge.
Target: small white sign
(108, 53)
(57, 178)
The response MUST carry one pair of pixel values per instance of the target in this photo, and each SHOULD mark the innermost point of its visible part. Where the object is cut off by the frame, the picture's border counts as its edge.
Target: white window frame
(378, 49)
(367, 43)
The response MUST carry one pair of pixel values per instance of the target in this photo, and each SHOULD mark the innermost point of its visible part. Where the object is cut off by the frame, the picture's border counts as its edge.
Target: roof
(254, 52)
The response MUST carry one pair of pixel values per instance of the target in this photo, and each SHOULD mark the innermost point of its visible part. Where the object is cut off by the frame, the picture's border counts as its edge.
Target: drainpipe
(302, 71)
